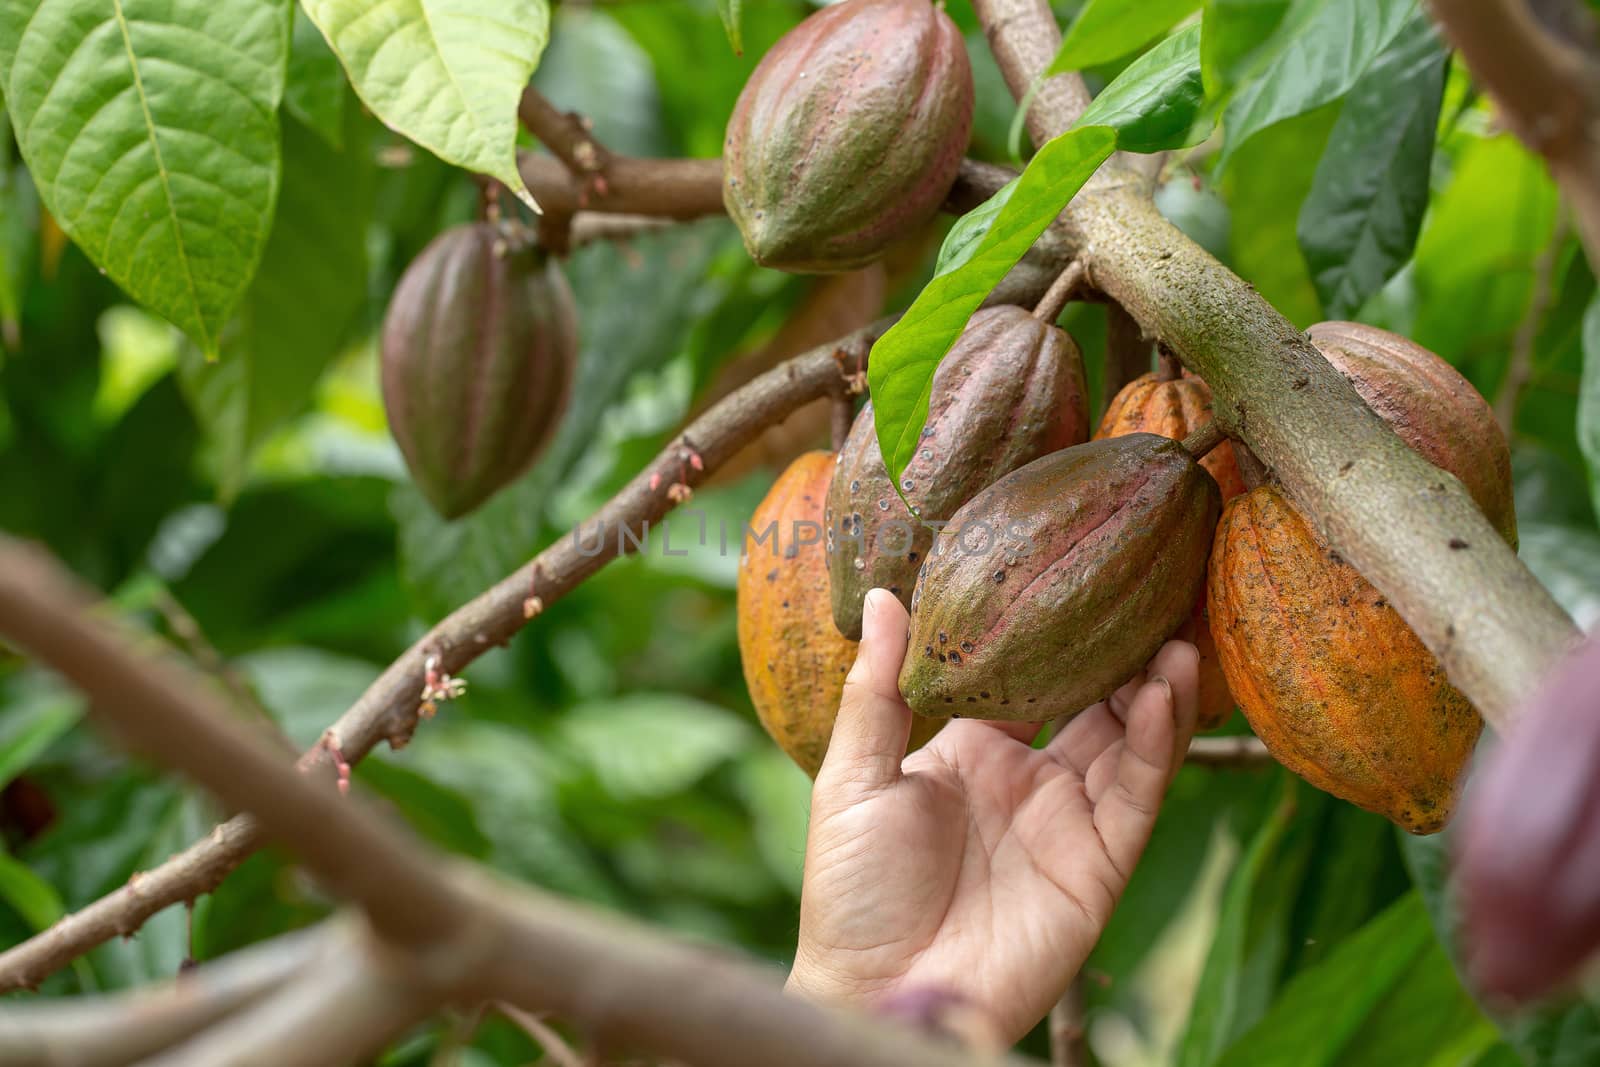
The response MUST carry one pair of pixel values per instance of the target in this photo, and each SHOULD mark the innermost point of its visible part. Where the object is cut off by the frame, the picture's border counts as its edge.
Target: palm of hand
(980, 866)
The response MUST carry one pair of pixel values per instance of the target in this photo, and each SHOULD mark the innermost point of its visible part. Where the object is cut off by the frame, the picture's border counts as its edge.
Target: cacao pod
(1529, 847)
(1331, 678)
(1010, 390)
(478, 350)
(1175, 408)
(848, 134)
(1098, 554)
(1431, 407)
(794, 661)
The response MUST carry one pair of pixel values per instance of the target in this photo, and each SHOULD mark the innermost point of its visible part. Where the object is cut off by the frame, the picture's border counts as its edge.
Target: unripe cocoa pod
(1529, 847)
(1010, 390)
(848, 134)
(1175, 408)
(1431, 407)
(1331, 678)
(1097, 555)
(794, 661)
(479, 345)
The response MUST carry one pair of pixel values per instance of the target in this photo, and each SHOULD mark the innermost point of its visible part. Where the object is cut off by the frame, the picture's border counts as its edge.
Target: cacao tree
(444, 449)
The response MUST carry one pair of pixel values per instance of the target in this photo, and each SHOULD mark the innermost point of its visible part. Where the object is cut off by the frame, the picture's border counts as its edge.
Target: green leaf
(1251, 941)
(904, 359)
(1386, 995)
(30, 896)
(1109, 29)
(298, 310)
(1361, 220)
(151, 131)
(34, 719)
(446, 73)
(778, 795)
(1153, 103)
(731, 12)
(436, 812)
(1233, 33)
(1314, 58)
(19, 236)
(314, 92)
(652, 744)
(1589, 398)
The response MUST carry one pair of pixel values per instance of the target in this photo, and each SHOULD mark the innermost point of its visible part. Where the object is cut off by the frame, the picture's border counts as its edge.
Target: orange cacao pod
(1331, 678)
(1175, 408)
(794, 660)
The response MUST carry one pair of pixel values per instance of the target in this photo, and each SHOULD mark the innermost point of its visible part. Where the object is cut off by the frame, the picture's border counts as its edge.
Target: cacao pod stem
(1203, 440)
(1169, 368)
(1060, 292)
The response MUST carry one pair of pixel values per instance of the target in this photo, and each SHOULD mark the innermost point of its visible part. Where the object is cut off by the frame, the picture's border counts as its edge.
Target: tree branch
(1223, 752)
(1409, 529)
(1068, 1028)
(1540, 61)
(484, 940)
(111, 1030)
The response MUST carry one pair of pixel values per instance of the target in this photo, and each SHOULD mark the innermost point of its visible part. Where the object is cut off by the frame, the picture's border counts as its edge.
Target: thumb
(874, 723)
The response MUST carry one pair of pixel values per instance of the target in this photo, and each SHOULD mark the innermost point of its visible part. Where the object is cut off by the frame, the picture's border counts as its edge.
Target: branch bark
(466, 936)
(1409, 528)
(1540, 61)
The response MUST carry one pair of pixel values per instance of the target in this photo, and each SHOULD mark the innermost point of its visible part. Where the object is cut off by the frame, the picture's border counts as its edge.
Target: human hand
(978, 865)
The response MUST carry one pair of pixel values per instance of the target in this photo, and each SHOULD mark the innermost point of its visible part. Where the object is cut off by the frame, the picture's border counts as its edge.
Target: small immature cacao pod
(1331, 678)
(1097, 555)
(1175, 408)
(848, 134)
(478, 350)
(1431, 407)
(794, 661)
(1529, 847)
(1010, 390)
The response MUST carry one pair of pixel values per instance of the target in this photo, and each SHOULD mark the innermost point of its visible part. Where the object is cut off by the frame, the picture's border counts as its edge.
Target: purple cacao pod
(479, 345)
(1010, 390)
(848, 134)
(1528, 857)
(1057, 583)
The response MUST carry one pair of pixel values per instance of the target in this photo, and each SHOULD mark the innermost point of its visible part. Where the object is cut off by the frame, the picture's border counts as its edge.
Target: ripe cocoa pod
(1098, 554)
(848, 134)
(794, 661)
(1431, 407)
(1529, 847)
(1331, 678)
(1010, 390)
(1175, 408)
(478, 350)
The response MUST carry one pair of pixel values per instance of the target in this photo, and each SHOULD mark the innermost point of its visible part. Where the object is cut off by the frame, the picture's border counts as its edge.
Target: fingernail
(1172, 705)
(873, 600)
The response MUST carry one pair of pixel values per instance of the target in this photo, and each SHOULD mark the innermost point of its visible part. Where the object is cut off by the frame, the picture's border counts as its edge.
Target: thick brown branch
(1012, 28)
(388, 709)
(112, 1030)
(1543, 69)
(1412, 531)
(665, 188)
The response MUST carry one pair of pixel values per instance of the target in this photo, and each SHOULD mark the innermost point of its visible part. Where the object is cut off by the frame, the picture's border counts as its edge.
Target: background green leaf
(314, 91)
(446, 73)
(150, 129)
(1153, 103)
(1107, 29)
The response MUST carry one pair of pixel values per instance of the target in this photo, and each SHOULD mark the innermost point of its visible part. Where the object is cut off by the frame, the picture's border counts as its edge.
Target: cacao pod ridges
(478, 351)
(1329, 676)
(1011, 389)
(848, 134)
(794, 660)
(1104, 556)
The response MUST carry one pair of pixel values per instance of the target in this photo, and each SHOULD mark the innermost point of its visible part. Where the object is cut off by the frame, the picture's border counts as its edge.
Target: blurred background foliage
(254, 514)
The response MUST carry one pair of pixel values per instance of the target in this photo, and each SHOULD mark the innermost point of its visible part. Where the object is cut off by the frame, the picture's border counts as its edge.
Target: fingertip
(1177, 664)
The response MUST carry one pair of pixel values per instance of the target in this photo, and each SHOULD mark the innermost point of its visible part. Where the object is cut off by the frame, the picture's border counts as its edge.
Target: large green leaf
(732, 14)
(30, 896)
(1589, 398)
(1315, 57)
(1153, 104)
(1233, 33)
(19, 231)
(1360, 222)
(150, 128)
(652, 744)
(1107, 29)
(1387, 995)
(300, 307)
(445, 73)
(314, 92)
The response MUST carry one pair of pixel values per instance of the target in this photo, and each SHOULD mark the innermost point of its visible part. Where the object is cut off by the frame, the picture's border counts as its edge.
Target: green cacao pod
(848, 134)
(479, 345)
(1431, 407)
(1096, 555)
(1010, 390)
